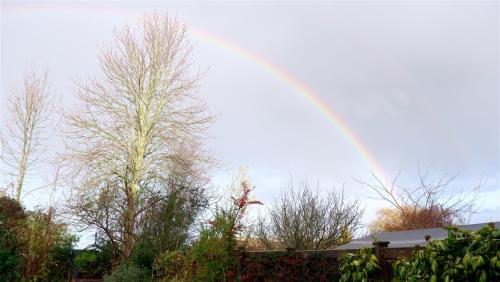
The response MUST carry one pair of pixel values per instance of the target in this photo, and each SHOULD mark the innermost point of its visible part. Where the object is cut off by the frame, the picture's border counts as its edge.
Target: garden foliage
(463, 256)
(211, 257)
(358, 266)
(93, 263)
(11, 218)
(126, 272)
(33, 247)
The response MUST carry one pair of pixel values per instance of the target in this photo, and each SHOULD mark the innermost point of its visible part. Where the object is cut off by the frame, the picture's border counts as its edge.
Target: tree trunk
(129, 224)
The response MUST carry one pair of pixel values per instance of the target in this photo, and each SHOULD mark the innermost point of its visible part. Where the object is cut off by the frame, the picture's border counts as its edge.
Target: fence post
(386, 267)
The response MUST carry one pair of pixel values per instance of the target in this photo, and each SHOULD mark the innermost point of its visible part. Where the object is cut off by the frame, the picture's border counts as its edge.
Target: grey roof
(405, 239)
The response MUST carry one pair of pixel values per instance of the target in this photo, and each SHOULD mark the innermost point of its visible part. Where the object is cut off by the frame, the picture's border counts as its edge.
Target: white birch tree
(29, 119)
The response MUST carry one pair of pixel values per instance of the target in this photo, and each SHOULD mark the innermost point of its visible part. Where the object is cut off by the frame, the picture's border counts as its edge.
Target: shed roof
(407, 239)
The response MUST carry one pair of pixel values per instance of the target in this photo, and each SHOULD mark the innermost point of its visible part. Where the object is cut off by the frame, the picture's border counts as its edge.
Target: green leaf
(476, 262)
(466, 260)
(434, 266)
(483, 277)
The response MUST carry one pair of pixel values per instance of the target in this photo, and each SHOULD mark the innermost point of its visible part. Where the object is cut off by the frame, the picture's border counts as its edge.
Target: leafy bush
(59, 261)
(463, 256)
(212, 251)
(11, 221)
(33, 246)
(85, 260)
(9, 255)
(47, 246)
(93, 263)
(166, 225)
(173, 266)
(211, 257)
(359, 266)
(143, 254)
(128, 273)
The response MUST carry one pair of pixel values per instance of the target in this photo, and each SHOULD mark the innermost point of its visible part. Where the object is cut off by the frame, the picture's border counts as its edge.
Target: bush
(128, 273)
(59, 261)
(173, 266)
(11, 221)
(33, 246)
(359, 266)
(212, 251)
(143, 254)
(463, 256)
(93, 263)
(47, 246)
(9, 256)
(305, 219)
(211, 257)
(85, 260)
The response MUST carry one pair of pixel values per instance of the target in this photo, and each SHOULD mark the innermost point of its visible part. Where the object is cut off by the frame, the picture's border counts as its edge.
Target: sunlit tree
(129, 125)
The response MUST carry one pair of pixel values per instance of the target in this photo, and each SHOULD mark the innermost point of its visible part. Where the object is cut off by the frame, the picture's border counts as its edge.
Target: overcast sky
(417, 82)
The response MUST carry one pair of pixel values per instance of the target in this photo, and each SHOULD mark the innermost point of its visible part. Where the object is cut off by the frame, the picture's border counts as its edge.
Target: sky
(413, 86)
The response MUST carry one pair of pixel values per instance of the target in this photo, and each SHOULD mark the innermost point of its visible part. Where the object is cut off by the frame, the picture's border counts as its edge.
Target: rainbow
(296, 86)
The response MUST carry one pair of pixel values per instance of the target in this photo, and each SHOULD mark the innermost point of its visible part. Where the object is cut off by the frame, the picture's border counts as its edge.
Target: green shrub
(212, 251)
(59, 261)
(128, 273)
(9, 257)
(463, 256)
(93, 263)
(12, 219)
(358, 266)
(173, 266)
(85, 260)
(143, 254)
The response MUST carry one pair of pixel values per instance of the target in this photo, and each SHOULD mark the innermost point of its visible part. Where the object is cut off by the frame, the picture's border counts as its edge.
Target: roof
(407, 239)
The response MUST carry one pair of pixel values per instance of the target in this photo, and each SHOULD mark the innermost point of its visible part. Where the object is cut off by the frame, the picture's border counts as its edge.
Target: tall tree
(131, 121)
(30, 108)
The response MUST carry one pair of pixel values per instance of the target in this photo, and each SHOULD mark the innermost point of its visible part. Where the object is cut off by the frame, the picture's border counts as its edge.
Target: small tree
(427, 205)
(304, 219)
(167, 223)
(30, 109)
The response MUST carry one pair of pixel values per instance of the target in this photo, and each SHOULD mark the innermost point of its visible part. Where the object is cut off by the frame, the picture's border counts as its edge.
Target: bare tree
(131, 121)
(303, 219)
(427, 205)
(30, 109)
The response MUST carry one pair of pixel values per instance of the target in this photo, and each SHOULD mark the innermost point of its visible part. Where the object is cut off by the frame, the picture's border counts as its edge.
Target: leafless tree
(427, 205)
(132, 120)
(303, 219)
(30, 109)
